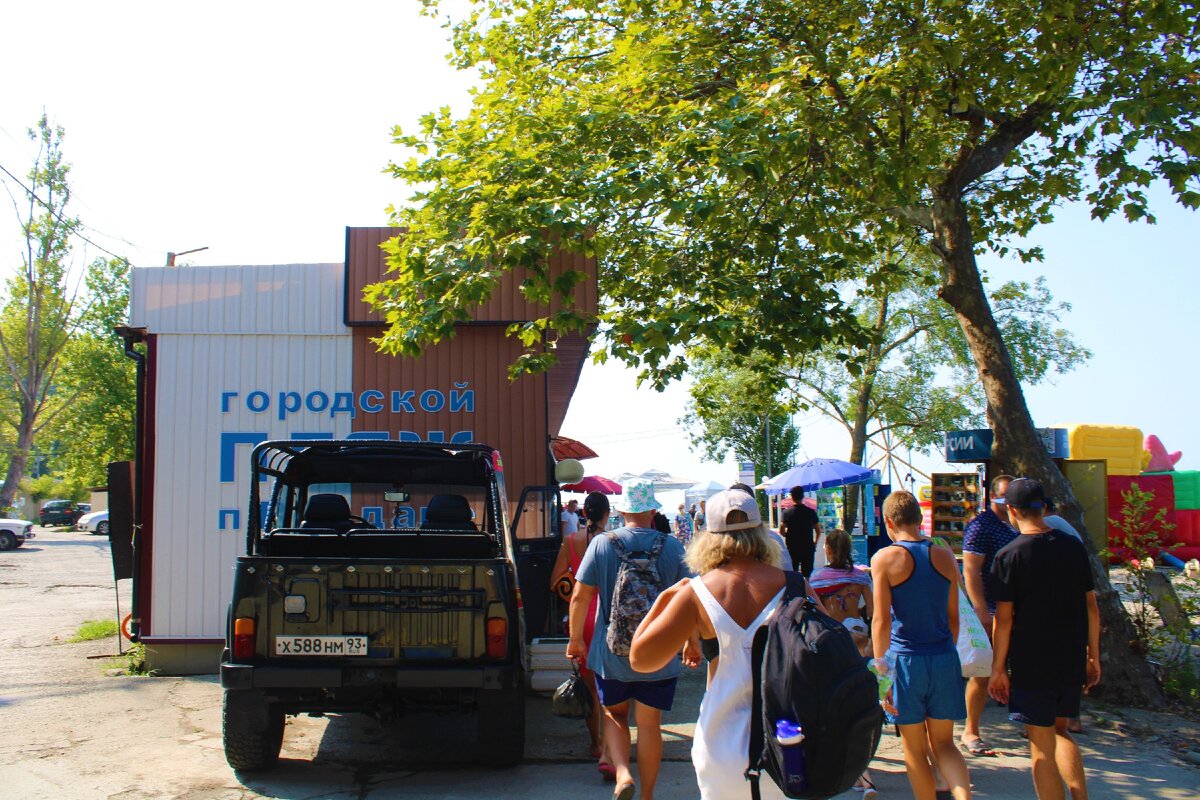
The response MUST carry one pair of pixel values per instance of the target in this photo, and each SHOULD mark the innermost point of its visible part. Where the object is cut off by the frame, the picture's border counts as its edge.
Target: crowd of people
(705, 582)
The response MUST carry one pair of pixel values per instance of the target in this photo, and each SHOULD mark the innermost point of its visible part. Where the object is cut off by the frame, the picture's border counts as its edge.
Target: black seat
(329, 511)
(448, 512)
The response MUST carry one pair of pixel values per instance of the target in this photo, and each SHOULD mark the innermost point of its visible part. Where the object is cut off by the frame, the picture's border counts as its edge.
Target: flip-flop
(977, 748)
(624, 792)
(607, 771)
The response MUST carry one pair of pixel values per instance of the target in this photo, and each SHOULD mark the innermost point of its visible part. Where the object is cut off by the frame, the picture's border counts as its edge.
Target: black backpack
(807, 670)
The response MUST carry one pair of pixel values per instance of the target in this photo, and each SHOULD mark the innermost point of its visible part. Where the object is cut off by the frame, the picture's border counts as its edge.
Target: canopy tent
(701, 491)
(566, 447)
(817, 473)
(593, 483)
(663, 481)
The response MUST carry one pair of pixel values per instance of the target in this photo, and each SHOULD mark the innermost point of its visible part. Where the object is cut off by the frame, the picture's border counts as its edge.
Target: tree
(97, 427)
(37, 319)
(732, 164)
(734, 407)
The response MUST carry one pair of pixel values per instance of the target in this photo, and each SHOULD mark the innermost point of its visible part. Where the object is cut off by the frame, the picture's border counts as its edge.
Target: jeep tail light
(497, 637)
(243, 637)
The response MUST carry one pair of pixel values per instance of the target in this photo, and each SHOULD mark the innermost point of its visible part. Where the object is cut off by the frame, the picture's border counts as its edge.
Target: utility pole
(770, 472)
(171, 256)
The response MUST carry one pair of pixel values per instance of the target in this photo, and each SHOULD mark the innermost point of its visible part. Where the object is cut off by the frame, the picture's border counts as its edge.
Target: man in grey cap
(617, 684)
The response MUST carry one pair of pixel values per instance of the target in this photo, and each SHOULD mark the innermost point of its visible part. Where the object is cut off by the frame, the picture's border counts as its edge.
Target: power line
(47, 206)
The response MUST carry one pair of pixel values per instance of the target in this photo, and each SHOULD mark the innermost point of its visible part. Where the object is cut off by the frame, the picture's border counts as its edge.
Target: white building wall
(277, 299)
(203, 384)
(223, 334)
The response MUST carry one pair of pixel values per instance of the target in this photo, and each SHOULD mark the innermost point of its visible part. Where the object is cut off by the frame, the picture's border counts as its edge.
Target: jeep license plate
(320, 645)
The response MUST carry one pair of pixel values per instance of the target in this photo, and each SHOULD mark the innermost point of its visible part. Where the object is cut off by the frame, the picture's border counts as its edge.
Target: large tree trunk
(1018, 450)
(19, 460)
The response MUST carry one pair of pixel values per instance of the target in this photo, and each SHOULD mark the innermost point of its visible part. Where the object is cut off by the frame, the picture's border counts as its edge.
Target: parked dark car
(59, 512)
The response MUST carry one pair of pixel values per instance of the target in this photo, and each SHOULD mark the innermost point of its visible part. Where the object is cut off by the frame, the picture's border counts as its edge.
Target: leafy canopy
(740, 407)
(732, 164)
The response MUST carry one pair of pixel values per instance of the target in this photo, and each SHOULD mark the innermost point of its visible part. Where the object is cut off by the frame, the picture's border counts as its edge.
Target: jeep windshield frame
(298, 465)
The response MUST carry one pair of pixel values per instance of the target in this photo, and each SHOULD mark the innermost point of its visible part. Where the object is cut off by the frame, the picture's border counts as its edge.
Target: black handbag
(572, 700)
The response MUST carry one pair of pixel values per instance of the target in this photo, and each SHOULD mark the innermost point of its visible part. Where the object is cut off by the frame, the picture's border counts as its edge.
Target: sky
(261, 130)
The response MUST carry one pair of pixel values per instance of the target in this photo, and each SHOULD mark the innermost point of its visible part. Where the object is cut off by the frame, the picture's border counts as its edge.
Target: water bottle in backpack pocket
(790, 738)
(807, 672)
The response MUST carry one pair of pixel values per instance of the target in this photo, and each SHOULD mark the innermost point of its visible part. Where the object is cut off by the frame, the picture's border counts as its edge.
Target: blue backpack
(815, 718)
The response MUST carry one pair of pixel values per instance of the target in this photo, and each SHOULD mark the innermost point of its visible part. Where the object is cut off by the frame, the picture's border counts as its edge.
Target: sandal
(977, 748)
(868, 788)
(607, 771)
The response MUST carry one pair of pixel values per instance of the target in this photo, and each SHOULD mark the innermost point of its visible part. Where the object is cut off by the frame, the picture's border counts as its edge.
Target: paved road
(72, 731)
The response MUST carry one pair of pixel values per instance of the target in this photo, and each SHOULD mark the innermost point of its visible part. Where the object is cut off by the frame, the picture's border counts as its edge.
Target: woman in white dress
(738, 588)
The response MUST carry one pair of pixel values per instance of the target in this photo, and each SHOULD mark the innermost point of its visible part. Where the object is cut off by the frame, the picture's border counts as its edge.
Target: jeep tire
(252, 730)
(502, 725)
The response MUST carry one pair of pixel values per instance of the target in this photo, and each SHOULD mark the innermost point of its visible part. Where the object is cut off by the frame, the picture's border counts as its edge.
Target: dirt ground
(72, 729)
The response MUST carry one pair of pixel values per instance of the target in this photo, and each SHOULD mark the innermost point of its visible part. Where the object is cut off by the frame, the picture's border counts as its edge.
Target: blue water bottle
(790, 737)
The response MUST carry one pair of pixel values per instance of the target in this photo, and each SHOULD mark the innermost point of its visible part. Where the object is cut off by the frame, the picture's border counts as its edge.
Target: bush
(1169, 648)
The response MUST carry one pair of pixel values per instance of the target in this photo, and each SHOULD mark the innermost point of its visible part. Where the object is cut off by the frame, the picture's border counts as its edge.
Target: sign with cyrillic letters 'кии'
(976, 445)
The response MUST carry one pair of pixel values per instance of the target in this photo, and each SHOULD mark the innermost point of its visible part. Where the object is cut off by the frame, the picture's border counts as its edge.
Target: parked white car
(14, 532)
(95, 522)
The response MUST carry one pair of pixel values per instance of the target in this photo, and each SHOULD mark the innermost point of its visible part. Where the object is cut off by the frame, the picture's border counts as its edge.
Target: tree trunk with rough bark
(17, 464)
(1018, 450)
(862, 411)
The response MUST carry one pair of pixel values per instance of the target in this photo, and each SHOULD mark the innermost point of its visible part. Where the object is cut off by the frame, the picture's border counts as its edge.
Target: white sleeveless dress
(722, 739)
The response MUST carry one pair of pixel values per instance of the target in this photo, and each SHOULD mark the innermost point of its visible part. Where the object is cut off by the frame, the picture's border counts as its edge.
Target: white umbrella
(663, 481)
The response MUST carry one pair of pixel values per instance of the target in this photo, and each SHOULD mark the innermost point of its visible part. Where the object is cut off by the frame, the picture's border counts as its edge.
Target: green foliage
(51, 487)
(729, 409)
(37, 312)
(71, 389)
(97, 427)
(734, 166)
(93, 629)
(913, 380)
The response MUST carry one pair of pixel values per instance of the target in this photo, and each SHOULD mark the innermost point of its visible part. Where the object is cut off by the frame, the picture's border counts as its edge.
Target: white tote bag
(974, 647)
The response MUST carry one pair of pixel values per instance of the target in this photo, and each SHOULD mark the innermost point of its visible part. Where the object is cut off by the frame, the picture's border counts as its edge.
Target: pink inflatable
(1160, 459)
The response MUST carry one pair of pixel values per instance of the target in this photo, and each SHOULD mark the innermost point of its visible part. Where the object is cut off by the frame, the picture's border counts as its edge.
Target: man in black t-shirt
(1046, 640)
(800, 530)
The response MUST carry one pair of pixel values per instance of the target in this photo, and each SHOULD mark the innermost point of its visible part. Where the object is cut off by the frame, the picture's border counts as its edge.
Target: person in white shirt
(570, 519)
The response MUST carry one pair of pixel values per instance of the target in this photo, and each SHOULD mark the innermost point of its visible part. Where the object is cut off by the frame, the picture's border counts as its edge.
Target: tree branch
(979, 161)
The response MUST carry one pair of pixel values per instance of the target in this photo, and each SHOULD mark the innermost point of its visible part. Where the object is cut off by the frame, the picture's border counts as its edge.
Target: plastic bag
(974, 646)
(572, 700)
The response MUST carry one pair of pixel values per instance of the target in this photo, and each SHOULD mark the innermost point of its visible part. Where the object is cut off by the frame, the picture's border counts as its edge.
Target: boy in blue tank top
(916, 613)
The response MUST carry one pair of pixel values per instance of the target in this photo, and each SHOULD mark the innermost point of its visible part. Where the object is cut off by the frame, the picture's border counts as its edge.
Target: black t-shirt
(1046, 576)
(799, 523)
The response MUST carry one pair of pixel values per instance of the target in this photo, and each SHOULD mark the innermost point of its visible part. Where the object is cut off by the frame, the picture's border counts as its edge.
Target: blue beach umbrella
(818, 473)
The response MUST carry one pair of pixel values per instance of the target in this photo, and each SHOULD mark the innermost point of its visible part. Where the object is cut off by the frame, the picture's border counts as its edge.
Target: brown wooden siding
(572, 351)
(366, 264)
(510, 416)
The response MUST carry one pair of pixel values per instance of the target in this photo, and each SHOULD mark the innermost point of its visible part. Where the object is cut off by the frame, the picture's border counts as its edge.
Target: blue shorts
(656, 694)
(928, 687)
(1040, 707)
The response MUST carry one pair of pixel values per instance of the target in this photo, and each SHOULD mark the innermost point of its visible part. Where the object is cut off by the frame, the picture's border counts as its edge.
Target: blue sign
(976, 445)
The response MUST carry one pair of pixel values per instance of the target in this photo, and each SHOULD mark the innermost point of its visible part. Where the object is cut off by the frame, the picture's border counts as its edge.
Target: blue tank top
(919, 623)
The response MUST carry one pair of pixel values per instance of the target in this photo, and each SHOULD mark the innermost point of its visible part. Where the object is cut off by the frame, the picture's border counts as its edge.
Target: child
(845, 589)
(916, 582)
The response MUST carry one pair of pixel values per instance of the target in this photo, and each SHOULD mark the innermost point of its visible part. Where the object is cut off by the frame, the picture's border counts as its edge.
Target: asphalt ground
(70, 728)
